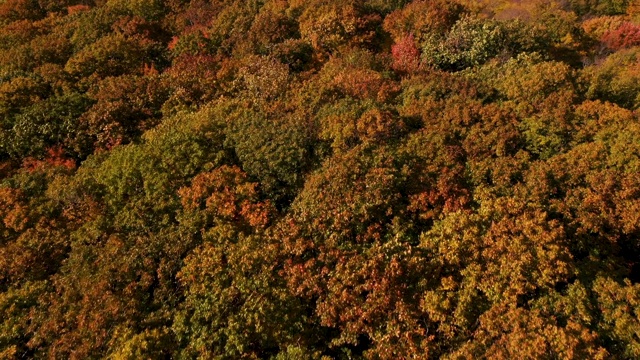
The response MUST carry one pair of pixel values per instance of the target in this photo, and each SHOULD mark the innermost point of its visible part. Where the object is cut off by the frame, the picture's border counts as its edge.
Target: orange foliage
(55, 157)
(14, 213)
(74, 9)
(226, 194)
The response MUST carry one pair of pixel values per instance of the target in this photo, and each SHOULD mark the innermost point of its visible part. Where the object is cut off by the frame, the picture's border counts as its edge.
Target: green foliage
(112, 55)
(599, 7)
(46, 124)
(15, 306)
(89, 26)
(228, 29)
(619, 306)
(472, 42)
(468, 43)
(615, 80)
(148, 9)
(276, 150)
(232, 298)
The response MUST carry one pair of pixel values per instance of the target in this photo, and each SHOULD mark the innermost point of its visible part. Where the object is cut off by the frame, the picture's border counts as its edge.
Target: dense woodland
(324, 179)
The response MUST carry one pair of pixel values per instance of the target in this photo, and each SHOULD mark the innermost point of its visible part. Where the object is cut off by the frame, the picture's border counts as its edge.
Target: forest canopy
(323, 179)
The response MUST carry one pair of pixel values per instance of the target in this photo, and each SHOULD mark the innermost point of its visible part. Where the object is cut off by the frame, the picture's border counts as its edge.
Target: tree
(423, 19)
(275, 150)
(614, 80)
(49, 123)
(329, 26)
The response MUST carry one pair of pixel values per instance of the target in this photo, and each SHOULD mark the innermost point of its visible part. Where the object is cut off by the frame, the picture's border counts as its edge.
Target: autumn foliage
(288, 179)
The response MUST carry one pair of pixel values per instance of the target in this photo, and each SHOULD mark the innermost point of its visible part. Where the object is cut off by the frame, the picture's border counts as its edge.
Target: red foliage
(626, 36)
(194, 77)
(197, 16)
(405, 53)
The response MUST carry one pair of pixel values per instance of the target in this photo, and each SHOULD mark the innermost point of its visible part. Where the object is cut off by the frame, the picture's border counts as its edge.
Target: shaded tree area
(324, 179)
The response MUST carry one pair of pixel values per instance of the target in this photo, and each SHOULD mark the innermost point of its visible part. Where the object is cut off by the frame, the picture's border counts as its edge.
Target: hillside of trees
(319, 179)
